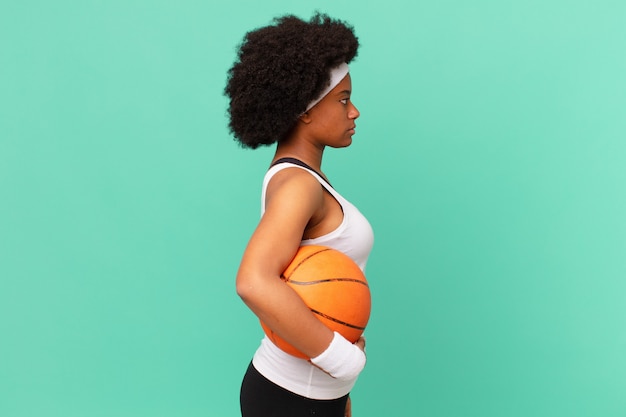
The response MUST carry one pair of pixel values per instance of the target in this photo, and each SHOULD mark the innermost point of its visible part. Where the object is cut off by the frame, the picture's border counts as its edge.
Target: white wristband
(341, 359)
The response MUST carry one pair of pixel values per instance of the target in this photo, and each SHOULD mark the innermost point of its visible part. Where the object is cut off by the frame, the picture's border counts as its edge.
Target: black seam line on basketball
(319, 313)
(302, 261)
(319, 281)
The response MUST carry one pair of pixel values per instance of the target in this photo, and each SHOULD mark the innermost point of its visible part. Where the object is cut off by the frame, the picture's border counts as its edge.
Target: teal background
(489, 157)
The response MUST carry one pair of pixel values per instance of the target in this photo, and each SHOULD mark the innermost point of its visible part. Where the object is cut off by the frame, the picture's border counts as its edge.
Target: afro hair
(279, 69)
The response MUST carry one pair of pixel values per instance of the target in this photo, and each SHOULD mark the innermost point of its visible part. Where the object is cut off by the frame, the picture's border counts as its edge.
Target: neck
(302, 150)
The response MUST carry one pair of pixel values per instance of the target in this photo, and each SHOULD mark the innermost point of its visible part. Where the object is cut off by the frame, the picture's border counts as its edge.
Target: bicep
(291, 203)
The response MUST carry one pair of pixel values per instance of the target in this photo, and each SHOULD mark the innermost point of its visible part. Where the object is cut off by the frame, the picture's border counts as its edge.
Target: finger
(360, 343)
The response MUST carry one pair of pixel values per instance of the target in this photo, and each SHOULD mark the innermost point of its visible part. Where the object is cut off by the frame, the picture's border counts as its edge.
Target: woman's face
(333, 118)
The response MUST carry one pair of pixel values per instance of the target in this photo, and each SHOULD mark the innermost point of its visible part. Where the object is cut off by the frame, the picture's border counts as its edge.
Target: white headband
(336, 75)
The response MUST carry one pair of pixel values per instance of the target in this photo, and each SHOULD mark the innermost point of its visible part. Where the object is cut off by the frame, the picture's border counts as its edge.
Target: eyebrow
(348, 92)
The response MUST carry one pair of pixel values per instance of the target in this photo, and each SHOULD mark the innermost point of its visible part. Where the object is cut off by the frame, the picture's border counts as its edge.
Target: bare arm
(293, 197)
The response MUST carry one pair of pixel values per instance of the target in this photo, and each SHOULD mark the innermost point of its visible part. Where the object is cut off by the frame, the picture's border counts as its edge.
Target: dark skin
(297, 208)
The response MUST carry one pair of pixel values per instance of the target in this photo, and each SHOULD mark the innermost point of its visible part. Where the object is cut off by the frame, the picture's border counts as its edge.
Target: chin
(342, 145)
(347, 142)
(339, 142)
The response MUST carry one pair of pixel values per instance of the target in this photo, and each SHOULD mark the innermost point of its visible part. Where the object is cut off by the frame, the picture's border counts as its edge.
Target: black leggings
(262, 398)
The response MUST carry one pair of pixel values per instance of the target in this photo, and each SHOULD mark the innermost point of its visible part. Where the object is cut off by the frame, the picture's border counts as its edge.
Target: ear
(305, 118)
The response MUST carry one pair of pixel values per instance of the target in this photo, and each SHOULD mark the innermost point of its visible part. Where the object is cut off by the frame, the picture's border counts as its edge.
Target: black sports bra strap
(302, 164)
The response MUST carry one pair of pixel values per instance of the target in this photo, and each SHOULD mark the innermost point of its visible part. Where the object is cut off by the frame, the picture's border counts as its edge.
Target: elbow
(245, 287)
(254, 288)
(243, 290)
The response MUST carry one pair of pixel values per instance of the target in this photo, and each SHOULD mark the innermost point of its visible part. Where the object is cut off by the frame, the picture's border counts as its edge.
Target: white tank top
(355, 238)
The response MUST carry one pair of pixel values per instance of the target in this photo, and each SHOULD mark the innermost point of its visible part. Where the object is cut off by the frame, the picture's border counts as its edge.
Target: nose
(353, 113)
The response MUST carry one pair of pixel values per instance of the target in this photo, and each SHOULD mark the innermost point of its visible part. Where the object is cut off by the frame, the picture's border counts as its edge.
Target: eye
(344, 101)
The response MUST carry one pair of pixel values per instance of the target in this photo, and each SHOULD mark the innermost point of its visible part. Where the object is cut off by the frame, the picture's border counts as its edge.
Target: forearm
(282, 310)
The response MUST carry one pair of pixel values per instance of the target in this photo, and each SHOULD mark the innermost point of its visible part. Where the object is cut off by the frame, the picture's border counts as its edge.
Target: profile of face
(332, 120)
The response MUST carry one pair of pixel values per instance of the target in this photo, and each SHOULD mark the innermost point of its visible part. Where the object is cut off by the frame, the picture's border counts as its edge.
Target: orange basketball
(333, 287)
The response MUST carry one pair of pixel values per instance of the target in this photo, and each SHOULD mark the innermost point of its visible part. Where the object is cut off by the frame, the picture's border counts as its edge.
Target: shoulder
(294, 183)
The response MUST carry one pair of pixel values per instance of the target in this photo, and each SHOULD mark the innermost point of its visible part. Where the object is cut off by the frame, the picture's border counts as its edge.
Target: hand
(361, 343)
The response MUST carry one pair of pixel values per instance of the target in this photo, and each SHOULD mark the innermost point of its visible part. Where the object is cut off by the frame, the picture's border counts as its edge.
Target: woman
(290, 85)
